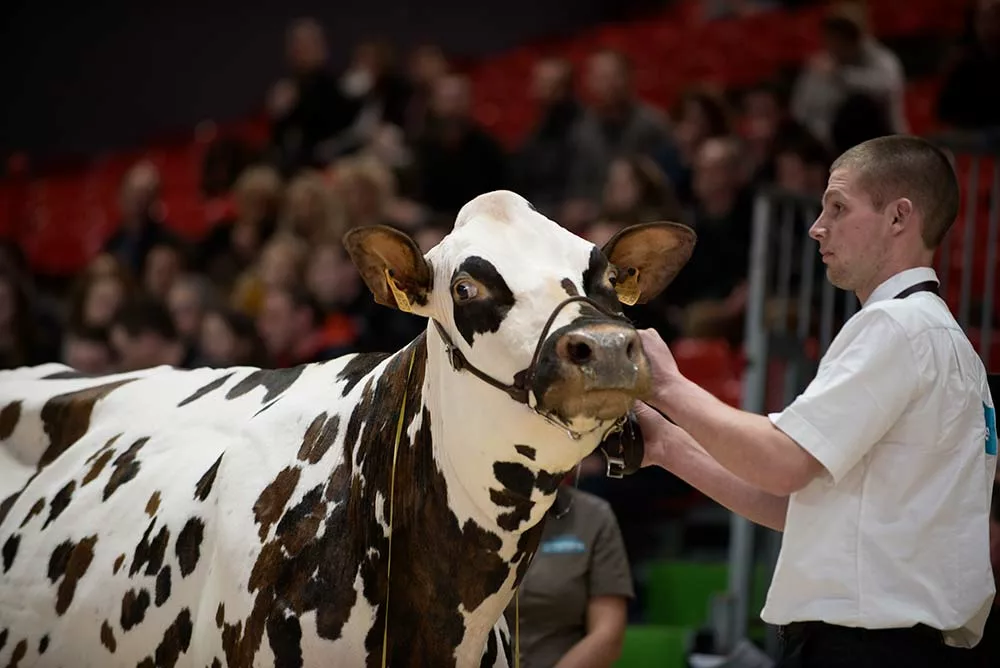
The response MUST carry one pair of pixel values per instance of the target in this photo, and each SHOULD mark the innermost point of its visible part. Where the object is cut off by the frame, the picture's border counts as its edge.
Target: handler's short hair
(906, 166)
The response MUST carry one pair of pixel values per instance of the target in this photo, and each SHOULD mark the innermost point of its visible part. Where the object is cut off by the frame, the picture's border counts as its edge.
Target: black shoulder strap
(925, 286)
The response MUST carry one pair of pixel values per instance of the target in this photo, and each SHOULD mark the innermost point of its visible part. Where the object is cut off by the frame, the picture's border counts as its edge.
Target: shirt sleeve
(610, 574)
(857, 395)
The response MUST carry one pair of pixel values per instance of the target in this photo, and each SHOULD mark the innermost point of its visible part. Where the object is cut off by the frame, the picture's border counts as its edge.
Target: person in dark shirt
(970, 96)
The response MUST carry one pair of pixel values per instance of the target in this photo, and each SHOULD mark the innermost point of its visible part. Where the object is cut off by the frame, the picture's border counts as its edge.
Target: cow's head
(494, 281)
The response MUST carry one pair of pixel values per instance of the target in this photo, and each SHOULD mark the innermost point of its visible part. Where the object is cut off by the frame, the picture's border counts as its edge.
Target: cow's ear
(392, 266)
(648, 257)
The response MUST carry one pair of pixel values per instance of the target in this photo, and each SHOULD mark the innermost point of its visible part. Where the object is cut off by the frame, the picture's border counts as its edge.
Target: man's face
(853, 237)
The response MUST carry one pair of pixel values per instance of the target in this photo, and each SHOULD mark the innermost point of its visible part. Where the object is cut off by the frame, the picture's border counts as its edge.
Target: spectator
(289, 324)
(189, 299)
(801, 164)
(312, 209)
(968, 100)
(853, 62)
(457, 159)
(336, 286)
(229, 338)
(280, 265)
(164, 264)
(366, 188)
(859, 118)
(615, 123)
(308, 106)
(144, 336)
(140, 228)
(637, 191)
(88, 350)
(100, 293)
(427, 66)
(540, 166)
(20, 344)
(766, 122)
(573, 600)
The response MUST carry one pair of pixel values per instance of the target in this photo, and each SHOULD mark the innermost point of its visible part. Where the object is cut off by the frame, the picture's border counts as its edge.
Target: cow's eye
(464, 290)
(612, 275)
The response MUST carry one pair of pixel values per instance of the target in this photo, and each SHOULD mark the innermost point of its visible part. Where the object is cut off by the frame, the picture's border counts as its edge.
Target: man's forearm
(691, 463)
(746, 444)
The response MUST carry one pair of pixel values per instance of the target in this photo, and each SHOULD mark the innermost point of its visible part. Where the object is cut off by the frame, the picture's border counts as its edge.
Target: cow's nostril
(578, 352)
(630, 350)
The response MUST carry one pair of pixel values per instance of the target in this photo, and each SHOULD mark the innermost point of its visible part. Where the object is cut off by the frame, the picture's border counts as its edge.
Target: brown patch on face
(271, 502)
(204, 484)
(66, 417)
(79, 561)
(59, 502)
(34, 510)
(125, 468)
(134, 608)
(20, 650)
(319, 437)
(118, 563)
(97, 466)
(188, 546)
(153, 504)
(108, 637)
(9, 417)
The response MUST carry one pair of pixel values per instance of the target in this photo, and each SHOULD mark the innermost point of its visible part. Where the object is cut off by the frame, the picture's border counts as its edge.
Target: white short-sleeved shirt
(896, 531)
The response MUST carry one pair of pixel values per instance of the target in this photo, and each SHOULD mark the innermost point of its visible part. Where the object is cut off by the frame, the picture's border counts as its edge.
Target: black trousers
(820, 645)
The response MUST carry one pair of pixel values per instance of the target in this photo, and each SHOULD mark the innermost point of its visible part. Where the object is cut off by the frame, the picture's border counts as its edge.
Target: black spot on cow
(285, 637)
(69, 375)
(66, 417)
(301, 522)
(517, 483)
(162, 586)
(319, 437)
(216, 663)
(77, 562)
(486, 312)
(547, 483)
(150, 553)
(517, 478)
(271, 503)
(108, 637)
(357, 368)
(43, 644)
(60, 501)
(490, 655)
(118, 563)
(569, 287)
(10, 550)
(7, 504)
(206, 389)
(188, 547)
(36, 509)
(125, 467)
(9, 417)
(146, 663)
(20, 650)
(134, 608)
(274, 381)
(3, 639)
(58, 560)
(176, 640)
(526, 451)
(595, 282)
(220, 615)
(205, 482)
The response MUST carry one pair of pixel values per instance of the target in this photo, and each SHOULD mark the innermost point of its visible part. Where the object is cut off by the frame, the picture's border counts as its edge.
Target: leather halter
(520, 389)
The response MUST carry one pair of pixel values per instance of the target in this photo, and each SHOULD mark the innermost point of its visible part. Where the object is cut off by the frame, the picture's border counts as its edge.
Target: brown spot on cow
(10, 550)
(150, 553)
(66, 417)
(118, 564)
(153, 504)
(104, 448)
(108, 637)
(188, 547)
(357, 368)
(206, 389)
(176, 640)
(125, 467)
(98, 466)
(134, 608)
(9, 417)
(204, 484)
(319, 437)
(59, 502)
(20, 650)
(76, 566)
(220, 615)
(43, 644)
(274, 381)
(33, 511)
(271, 502)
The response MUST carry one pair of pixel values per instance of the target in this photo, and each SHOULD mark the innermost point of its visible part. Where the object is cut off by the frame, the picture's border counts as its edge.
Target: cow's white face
(496, 279)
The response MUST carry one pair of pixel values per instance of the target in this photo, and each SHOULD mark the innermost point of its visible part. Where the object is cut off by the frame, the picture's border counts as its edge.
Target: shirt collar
(901, 281)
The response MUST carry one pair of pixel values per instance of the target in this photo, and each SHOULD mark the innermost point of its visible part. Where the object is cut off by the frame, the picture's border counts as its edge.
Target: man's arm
(673, 449)
(601, 647)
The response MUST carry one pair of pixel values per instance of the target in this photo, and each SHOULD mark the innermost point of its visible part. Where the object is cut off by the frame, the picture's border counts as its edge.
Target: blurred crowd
(384, 142)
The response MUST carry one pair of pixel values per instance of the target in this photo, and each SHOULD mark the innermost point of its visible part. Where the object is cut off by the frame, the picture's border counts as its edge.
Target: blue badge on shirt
(991, 429)
(566, 544)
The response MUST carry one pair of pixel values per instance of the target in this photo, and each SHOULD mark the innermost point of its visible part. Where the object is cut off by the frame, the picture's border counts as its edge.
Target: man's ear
(391, 265)
(648, 257)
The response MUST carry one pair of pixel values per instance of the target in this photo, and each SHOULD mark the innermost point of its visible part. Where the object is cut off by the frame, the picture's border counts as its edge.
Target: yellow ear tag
(402, 301)
(627, 287)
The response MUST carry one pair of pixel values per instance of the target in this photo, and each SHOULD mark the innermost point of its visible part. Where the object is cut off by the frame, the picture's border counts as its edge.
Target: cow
(376, 509)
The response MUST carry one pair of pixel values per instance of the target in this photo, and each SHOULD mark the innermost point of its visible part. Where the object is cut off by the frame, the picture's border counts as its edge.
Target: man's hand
(662, 365)
(659, 436)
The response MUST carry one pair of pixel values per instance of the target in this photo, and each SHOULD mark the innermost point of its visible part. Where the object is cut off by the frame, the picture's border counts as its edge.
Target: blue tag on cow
(566, 544)
(991, 429)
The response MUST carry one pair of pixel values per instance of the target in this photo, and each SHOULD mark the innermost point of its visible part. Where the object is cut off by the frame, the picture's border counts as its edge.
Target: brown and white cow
(240, 517)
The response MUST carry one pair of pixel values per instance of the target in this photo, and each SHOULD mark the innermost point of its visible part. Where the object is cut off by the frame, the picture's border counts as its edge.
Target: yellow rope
(392, 495)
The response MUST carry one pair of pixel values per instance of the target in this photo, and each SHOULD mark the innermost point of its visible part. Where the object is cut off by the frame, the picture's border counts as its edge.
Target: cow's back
(134, 505)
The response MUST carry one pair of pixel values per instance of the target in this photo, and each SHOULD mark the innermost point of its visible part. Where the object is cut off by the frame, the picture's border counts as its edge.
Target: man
(880, 473)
